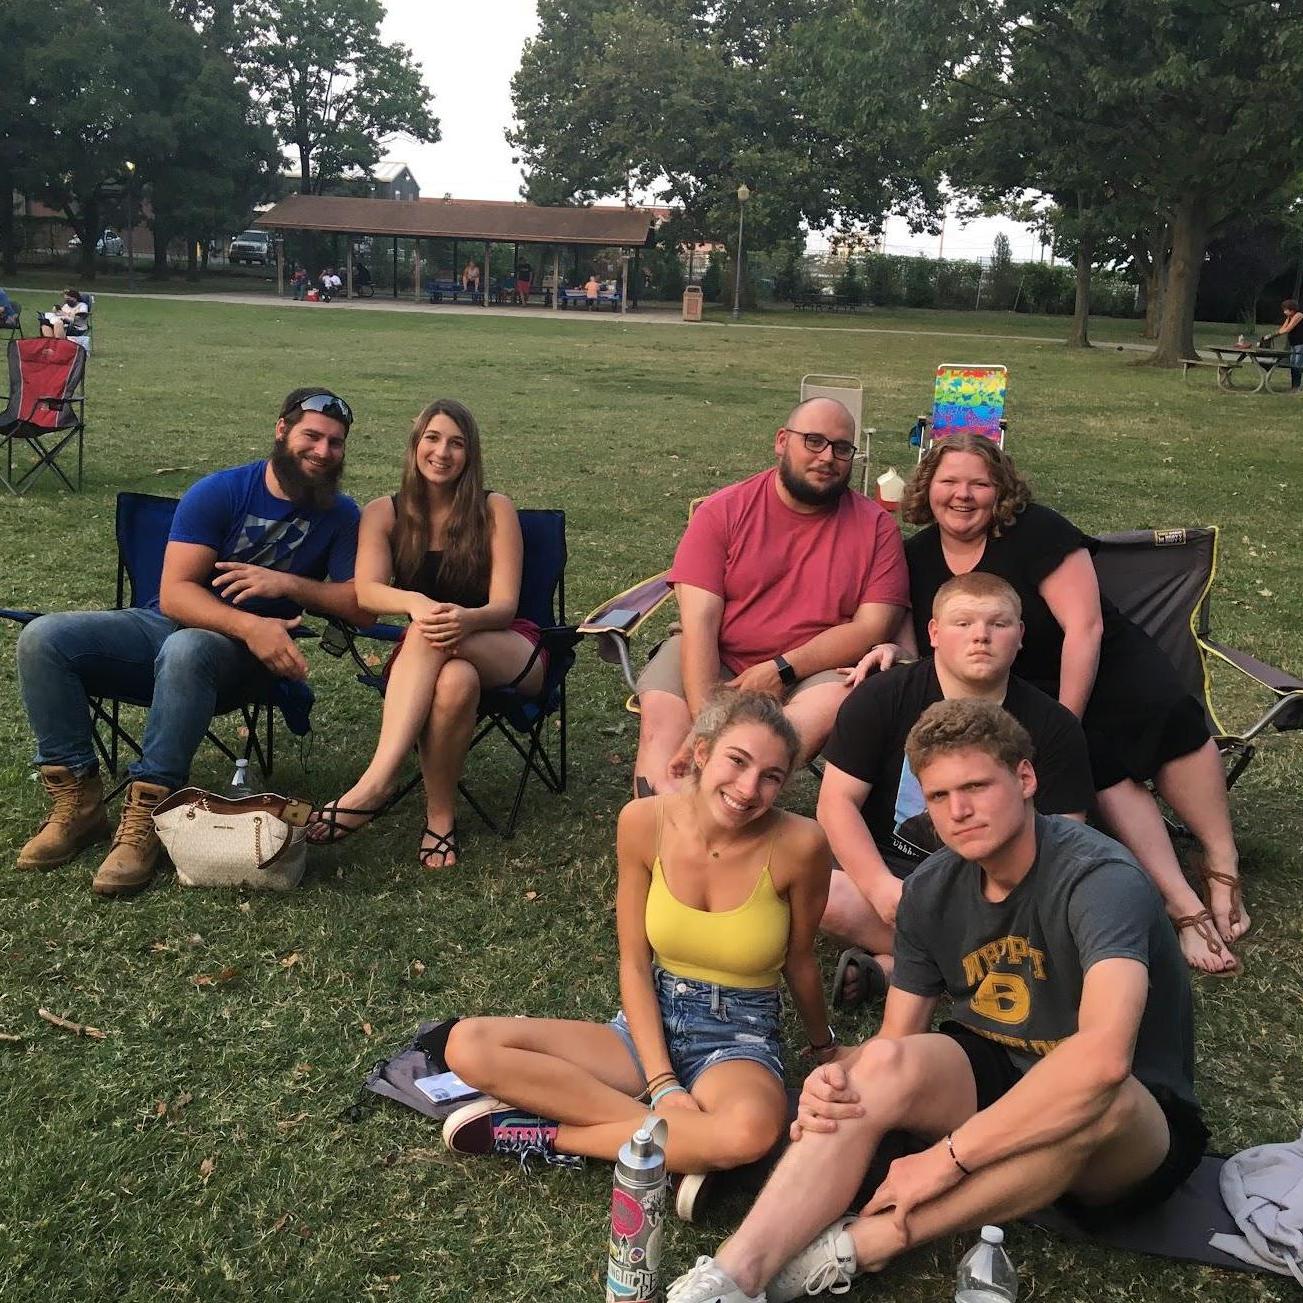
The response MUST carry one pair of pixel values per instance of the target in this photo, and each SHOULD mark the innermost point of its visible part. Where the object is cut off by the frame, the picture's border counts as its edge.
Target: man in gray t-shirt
(1065, 1073)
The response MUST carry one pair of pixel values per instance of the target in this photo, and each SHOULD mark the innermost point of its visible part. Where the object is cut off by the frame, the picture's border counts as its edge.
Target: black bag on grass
(396, 1077)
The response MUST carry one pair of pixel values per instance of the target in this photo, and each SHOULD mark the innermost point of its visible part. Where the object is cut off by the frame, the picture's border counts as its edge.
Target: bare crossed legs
(430, 702)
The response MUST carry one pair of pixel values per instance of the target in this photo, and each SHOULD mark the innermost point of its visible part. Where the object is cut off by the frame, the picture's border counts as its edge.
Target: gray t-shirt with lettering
(1013, 969)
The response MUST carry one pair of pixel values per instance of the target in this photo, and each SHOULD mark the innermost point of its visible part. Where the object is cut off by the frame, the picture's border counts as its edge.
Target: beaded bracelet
(950, 1145)
(660, 1094)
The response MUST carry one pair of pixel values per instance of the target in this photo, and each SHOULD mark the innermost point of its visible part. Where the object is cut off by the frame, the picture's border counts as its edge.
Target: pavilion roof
(462, 219)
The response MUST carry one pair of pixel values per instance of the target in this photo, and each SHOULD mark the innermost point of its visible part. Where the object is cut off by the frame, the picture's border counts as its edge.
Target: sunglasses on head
(331, 405)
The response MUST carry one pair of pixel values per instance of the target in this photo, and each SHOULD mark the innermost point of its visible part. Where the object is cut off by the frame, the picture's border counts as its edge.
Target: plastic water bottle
(633, 1268)
(240, 781)
(986, 1275)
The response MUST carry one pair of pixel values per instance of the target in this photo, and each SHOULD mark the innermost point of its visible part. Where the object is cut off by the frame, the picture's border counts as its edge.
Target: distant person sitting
(299, 283)
(8, 312)
(470, 277)
(67, 320)
(591, 290)
(329, 284)
(361, 277)
(524, 282)
(870, 803)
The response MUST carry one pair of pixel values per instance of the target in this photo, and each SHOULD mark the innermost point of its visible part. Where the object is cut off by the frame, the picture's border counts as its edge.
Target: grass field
(201, 1151)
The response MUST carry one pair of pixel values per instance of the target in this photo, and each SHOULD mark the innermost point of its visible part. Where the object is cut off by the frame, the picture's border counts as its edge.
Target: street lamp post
(743, 194)
(131, 225)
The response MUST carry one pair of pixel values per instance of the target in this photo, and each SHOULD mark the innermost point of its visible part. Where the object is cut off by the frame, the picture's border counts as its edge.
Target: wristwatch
(785, 672)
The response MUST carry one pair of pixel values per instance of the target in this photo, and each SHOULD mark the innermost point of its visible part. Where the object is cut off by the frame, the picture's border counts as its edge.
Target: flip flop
(873, 981)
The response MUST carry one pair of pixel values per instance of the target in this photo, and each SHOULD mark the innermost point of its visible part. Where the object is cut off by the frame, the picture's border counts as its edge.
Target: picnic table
(1253, 364)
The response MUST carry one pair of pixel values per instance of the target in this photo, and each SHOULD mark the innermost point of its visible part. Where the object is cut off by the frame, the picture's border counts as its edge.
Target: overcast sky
(469, 52)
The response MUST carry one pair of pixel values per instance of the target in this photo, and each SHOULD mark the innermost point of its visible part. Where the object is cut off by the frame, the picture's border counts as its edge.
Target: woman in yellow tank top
(719, 896)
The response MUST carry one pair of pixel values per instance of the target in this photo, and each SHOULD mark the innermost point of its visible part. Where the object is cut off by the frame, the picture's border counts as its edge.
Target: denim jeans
(1295, 366)
(135, 653)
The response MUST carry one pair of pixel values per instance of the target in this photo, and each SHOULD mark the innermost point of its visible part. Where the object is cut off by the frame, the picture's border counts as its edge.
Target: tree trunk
(192, 258)
(162, 238)
(8, 245)
(305, 170)
(1079, 334)
(1176, 321)
(87, 225)
(1155, 280)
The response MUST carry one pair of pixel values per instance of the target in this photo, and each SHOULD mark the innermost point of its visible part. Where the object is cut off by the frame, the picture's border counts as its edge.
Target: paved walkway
(645, 316)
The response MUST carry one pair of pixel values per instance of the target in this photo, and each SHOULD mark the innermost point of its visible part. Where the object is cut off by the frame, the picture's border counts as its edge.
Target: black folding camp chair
(143, 523)
(45, 408)
(1162, 579)
(521, 719)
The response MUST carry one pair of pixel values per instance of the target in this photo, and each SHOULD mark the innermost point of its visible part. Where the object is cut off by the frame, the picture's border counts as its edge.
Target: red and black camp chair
(46, 408)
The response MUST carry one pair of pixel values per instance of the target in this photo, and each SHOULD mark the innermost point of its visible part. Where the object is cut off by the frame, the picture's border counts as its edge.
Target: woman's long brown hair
(467, 543)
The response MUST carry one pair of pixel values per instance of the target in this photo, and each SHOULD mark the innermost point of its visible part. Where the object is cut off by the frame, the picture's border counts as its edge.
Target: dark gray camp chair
(1162, 579)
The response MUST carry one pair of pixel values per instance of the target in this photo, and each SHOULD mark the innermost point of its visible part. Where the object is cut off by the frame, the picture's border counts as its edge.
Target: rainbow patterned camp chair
(966, 399)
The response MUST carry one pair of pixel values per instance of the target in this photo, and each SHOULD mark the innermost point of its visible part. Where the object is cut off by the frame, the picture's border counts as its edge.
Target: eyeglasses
(328, 404)
(842, 449)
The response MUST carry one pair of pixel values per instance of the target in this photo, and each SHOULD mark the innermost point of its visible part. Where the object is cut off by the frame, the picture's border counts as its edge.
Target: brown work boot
(129, 865)
(77, 819)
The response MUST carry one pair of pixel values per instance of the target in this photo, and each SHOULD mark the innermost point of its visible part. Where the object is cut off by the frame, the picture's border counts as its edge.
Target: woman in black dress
(1139, 721)
(447, 554)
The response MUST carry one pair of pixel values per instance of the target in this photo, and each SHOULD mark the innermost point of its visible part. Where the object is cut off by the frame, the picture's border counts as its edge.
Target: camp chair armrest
(17, 616)
(59, 402)
(1271, 677)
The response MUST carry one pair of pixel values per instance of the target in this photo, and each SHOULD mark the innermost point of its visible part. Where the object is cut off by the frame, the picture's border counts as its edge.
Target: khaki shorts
(664, 673)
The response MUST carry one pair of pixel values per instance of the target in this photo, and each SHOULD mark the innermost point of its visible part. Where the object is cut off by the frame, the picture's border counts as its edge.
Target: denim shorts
(707, 1024)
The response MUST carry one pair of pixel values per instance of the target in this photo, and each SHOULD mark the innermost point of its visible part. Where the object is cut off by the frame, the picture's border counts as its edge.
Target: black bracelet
(950, 1145)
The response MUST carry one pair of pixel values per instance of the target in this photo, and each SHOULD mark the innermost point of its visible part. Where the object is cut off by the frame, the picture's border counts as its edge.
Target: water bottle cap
(992, 1235)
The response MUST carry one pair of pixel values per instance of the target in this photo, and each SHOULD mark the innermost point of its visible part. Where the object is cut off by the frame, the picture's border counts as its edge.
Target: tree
(334, 91)
(687, 99)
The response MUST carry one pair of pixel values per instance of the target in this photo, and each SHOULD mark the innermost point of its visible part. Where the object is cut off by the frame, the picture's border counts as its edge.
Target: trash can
(692, 301)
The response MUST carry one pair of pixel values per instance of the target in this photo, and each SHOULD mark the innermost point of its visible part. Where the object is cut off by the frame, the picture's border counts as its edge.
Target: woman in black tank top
(1291, 330)
(446, 553)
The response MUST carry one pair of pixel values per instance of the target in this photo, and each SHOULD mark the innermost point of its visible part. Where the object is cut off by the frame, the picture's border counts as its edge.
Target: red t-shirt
(787, 575)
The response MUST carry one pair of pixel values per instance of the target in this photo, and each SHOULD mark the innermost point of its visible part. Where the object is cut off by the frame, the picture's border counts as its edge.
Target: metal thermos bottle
(633, 1271)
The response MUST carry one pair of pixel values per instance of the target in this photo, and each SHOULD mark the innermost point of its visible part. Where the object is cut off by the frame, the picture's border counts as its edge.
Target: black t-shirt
(1014, 969)
(868, 742)
(1026, 552)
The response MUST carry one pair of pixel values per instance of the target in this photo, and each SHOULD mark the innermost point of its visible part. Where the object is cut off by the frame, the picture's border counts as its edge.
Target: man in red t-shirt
(780, 579)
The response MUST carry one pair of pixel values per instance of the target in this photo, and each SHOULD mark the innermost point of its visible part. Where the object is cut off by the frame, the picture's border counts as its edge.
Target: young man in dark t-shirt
(249, 549)
(870, 803)
(1065, 1073)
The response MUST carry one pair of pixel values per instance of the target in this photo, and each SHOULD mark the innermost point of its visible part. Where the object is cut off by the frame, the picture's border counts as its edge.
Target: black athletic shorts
(995, 1074)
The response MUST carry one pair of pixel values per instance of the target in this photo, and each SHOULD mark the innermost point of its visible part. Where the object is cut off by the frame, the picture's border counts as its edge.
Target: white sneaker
(826, 1263)
(690, 1194)
(707, 1283)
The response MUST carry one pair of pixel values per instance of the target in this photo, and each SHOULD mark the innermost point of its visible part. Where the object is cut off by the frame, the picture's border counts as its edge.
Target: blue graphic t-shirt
(232, 512)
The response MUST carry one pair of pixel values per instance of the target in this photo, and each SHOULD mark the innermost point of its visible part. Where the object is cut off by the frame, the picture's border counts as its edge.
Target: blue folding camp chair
(522, 720)
(143, 523)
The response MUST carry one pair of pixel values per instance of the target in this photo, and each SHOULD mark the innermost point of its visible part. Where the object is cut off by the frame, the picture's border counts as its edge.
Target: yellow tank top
(745, 946)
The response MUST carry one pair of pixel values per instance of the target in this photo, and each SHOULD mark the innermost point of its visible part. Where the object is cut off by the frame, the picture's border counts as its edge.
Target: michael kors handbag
(258, 842)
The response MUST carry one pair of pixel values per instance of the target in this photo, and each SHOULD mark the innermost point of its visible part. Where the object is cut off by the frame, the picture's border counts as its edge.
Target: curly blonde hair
(1011, 491)
(729, 706)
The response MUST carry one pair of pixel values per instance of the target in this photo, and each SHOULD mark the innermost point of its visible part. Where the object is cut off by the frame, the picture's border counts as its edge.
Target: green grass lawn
(201, 1151)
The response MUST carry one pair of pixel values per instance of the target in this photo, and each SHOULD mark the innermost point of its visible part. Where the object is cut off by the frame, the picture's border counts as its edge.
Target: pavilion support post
(556, 280)
(456, 265)
(280, 268)
(395, 273)
(348, 268)
(416, 272)
(624, 281)
(487, 276)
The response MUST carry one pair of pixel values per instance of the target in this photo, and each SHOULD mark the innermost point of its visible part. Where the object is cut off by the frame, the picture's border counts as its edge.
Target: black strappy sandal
(329, 815)
(445, 844)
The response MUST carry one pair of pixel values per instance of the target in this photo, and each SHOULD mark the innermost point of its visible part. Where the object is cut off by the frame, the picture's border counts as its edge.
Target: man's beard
(316, 492)
(807, 494)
